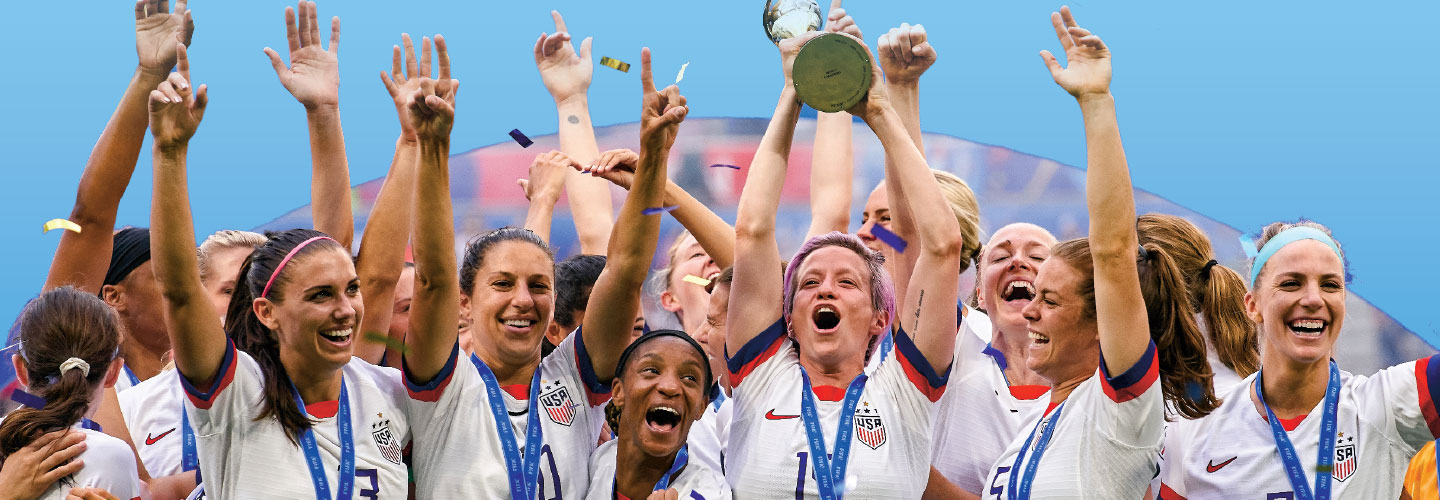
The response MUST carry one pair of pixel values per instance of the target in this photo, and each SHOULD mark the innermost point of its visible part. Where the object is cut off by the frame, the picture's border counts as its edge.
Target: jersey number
(373, 492)
(545, 453)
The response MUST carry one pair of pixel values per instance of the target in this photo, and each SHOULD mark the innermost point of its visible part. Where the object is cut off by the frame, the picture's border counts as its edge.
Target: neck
(641, 472)
(1013, 345)
(143, 361)
(507, 373)
(1061, 388)
(316, 387)
(838, 374)
(1292, 388)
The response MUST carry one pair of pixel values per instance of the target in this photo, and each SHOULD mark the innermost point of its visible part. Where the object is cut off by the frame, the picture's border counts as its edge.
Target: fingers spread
(425, 57)
(412, 69)
(443, 55)
(276, 62)
(335, 35)
(292, 32)
(1061, 32)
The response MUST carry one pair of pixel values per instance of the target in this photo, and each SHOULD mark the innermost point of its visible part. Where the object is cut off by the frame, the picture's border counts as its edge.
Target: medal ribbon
(347, 450)
(830, 473)
(134, 381)
(189, 459)
(1022, 492)
(524, 472)
(1325, 463)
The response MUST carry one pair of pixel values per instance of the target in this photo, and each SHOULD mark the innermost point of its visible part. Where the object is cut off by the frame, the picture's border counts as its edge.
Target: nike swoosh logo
(150, 440)
(770, 415)
(1212, 467)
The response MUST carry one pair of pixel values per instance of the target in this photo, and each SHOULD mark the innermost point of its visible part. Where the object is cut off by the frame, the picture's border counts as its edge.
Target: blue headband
(1287, 237)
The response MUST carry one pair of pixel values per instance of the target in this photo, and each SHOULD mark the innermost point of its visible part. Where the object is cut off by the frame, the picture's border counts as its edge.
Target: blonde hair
(224, 240)
(967, 211)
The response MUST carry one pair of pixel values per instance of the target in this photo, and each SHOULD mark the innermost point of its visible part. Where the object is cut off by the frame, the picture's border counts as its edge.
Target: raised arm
(82, 258)
(542, 189)
(437, 287)
(904, 55)
(928, 311)
(756, 293)
(715, 235)
(387, 229)
(1119, 306)
(566, 75)
(314, 79)
(196, 336)
(832, 165)
(615, 299)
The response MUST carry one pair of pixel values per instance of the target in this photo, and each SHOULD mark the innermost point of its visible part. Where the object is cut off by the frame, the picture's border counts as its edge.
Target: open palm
(157, 31)
(565, 72)
(1088, 59)
(313, 76)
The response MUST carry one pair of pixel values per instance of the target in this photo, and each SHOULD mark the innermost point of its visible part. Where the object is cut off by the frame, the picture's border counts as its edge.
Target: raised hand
(566, 73)
(313, 76)
(840, 22)
(789, 48)
(875, 101)
(547, 176)
(661, 111)
(31, 470)
(176, 107)
(432, 109)
(158, 31)
(616, 166)
(1087, 72)
(403, 83)
(905, 53)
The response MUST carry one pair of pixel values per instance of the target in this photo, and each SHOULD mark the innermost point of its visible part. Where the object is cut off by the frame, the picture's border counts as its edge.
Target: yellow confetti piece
(380, 338)
(61, 224)
(681, 76)
(612, 63)
(690, 278)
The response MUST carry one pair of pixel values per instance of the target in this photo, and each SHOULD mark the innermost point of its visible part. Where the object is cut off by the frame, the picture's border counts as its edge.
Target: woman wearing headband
(1301, 427)
(67, 357)
(661, 387)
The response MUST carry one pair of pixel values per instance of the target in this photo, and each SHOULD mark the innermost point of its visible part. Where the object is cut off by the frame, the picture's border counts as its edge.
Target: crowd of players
(1124, 365)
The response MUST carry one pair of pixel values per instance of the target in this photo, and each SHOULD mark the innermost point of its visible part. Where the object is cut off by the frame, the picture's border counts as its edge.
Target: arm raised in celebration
(832, 164)
(566, 74)
(904, 54)
(437, 287)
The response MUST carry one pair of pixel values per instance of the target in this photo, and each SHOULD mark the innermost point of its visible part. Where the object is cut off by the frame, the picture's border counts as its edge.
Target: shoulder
(109, 454)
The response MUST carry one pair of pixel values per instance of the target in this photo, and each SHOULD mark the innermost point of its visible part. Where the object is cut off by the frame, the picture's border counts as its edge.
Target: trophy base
(832, 73)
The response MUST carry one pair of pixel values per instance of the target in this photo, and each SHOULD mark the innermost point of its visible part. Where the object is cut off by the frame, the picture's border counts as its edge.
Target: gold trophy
(832, 71)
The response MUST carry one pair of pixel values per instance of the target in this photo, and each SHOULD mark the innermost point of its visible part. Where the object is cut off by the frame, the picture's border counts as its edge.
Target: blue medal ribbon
(347, 450)
(1046, 428)
(719, 398)
(1325, 463)
(134, 381)
(681, 458)
(524, 472)
(830, 473)
(189, 458)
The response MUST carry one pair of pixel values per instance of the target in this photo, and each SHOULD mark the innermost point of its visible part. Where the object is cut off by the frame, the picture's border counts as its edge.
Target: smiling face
(1064, 339)
(224, 265)
(511, 303)
(1008, 268)
(1299, 303)
(833, 314)
(319, 307)
(661, 393)
(877, 211)
(688, 300)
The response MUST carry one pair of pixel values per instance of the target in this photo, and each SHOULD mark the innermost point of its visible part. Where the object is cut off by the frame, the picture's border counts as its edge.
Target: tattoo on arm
(573, 119)
(919, 304)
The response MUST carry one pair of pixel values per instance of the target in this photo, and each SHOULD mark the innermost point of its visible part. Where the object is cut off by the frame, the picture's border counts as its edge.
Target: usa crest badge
(558, 405)
(1345, 457)
(869, 428)
(385, 440)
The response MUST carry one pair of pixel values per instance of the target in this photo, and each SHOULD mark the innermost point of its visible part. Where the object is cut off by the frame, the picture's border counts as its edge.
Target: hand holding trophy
(832, 71)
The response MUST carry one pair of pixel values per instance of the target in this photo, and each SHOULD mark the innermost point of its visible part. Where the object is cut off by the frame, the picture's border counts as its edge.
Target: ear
(464, 308)
(111, 295)
(882, 320)
(20, 371)
(617, 392)
(1252, 309)
(555, 333)
(112, 374)
(265, 312)
(669, 302)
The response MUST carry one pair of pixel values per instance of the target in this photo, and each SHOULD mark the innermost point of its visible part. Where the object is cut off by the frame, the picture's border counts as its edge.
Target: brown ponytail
(61, 324)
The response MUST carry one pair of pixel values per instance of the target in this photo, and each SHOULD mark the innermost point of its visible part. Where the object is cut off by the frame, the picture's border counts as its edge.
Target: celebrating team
(1125, 365)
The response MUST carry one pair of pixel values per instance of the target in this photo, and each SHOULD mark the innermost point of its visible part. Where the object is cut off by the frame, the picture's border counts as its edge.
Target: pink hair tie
(286, 260)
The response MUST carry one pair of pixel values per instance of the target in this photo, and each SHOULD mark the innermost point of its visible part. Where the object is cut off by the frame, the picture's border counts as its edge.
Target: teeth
(712, 276)
(1308, 323)
(824, 309)
(1036, 336)
(1010, 288)
(519, 323)
(667, 409)
(339, 334)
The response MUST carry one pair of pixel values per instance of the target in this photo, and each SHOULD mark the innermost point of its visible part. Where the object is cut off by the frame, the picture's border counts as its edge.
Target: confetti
(380, 338)
(653, 211)
(525, 142)
(27, 399)
(892, 239)
(612, 63)
(724, 165)
(61, 224)
(690, 278)
(681, 76)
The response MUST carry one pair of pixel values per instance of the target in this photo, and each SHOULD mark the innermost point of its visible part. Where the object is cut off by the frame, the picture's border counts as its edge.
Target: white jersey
(1383, 421)
(696, 481)
(109, 464)
(769, 453)
(709, 435)
(1105, 444)
(980, 413)
(152, 411)
(458, 451)
(244, 458)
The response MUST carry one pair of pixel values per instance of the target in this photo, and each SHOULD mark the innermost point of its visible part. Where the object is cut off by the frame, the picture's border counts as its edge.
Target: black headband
(131, 248)
(654, 334)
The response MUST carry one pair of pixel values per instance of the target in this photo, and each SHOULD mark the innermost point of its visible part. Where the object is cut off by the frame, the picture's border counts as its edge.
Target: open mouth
(1039, 338)
(1307, 327)
(521, 325)
(662, 418)
(826, 319)
(1019, 289)
(340, 336)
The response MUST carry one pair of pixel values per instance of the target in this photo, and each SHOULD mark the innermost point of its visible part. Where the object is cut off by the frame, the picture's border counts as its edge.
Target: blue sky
(1247, 112)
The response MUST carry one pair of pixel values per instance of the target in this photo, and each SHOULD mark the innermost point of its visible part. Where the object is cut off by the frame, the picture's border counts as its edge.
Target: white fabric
(152, 412)
(108, 464)
(709, 436)
(696, 481)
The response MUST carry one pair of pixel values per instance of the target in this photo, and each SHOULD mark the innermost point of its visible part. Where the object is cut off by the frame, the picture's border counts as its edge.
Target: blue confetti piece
(1248, 245)
(653, 211)
(27, 399)
(723, 165)
(892, 239)
(525, 142)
